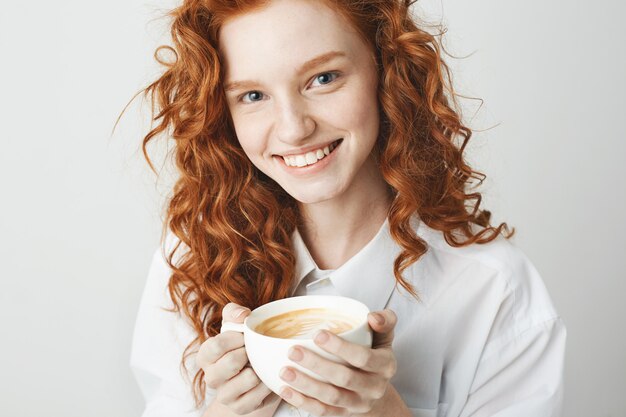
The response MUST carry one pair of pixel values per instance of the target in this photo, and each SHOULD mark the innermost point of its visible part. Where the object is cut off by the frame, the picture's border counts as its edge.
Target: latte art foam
(302, 324)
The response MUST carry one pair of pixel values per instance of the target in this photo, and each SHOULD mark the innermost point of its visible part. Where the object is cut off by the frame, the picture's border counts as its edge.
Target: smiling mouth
(310, 158)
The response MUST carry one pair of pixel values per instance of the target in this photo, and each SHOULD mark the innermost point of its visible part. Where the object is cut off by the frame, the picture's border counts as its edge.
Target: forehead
(286, 32)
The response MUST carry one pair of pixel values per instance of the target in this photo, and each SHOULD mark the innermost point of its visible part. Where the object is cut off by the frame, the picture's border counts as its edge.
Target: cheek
(367, 114)
(358, 110)
(248, 136)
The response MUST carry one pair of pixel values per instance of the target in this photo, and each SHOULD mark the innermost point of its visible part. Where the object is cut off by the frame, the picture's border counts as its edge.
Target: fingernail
(285, 393)
(295, 354)
(287, 374)
(379, 318)
(321, 337)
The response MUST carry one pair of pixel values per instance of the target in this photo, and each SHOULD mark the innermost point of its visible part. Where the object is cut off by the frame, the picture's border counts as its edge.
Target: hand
(361, 388)
(223, 359)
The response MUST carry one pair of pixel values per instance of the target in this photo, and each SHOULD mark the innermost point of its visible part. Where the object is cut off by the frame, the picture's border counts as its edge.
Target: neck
(335, 230)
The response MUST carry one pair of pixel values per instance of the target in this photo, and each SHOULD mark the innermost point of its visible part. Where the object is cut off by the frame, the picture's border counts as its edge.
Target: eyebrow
(310, 64)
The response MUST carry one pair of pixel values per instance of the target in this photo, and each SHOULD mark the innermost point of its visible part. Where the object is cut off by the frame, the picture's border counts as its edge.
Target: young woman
(318, 153)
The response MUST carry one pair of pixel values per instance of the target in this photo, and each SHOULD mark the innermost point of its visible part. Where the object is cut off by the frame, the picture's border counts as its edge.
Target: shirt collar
(367, 276)
(304, 261)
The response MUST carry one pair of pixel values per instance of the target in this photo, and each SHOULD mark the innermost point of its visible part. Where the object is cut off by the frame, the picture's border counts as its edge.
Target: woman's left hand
(358, 390)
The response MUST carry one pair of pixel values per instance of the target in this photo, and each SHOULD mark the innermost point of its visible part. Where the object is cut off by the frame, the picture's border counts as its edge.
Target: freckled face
(310, 127)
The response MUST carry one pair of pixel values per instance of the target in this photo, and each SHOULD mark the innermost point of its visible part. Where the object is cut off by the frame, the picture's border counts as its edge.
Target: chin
(310, 197)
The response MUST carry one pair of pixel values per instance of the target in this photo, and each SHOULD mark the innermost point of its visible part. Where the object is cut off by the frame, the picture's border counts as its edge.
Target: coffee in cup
(273, 328)
(304, 323)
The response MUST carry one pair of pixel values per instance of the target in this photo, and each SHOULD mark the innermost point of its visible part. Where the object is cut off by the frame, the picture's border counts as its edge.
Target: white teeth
(300, 161)
(310, 157)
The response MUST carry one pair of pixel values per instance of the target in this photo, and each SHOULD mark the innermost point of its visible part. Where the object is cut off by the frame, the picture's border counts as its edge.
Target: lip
(309, 169)
(308, 149)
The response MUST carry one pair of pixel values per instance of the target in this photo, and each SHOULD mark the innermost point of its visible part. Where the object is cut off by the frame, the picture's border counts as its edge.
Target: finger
(234, 313)
(267, 396)
(383, 324)
(258, 397)
(367, 384)
(322, 391)
(225, 368)
(269, 399)
(216, 347)
(379, 361)
(311, 405)
(237, 386)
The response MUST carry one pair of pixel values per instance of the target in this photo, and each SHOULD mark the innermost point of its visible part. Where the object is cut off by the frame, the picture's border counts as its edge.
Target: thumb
(234, 313)
(383, 324)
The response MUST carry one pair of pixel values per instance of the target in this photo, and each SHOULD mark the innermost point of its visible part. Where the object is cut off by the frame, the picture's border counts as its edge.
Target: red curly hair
(233, 224)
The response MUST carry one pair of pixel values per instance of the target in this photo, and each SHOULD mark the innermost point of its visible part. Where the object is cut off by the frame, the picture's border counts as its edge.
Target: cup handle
(235, 327)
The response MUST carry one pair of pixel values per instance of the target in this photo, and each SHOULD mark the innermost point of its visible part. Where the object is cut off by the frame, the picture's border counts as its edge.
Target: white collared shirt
(484, 339)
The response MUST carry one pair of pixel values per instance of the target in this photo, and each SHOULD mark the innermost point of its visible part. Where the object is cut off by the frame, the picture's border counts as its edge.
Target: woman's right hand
(224, 361)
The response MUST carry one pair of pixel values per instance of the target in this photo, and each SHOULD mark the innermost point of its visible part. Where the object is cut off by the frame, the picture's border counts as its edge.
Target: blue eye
(327, 76)
(256, 96)
(250, 93)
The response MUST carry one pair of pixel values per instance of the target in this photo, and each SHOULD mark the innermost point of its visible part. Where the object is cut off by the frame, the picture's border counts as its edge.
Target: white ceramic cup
(268, 355)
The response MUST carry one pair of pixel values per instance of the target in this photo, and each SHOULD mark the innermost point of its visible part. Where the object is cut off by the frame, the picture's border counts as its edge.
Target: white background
(80, 212)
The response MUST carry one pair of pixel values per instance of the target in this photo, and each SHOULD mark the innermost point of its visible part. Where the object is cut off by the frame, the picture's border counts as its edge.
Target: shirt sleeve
(159, 340)
(524, 377)
(520, 372)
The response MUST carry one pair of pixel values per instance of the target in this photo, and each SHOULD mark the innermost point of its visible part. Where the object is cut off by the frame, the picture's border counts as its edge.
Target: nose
(294, 123)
